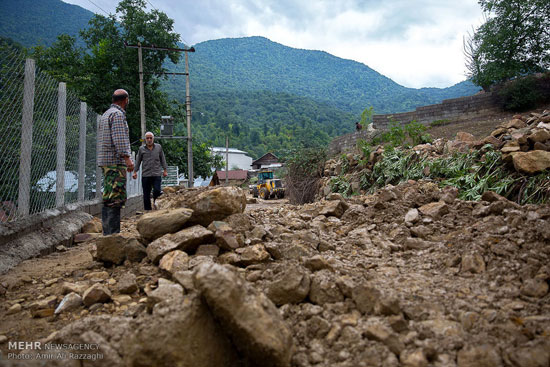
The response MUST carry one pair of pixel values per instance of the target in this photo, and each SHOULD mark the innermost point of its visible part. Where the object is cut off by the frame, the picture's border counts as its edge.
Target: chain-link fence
(48, 142)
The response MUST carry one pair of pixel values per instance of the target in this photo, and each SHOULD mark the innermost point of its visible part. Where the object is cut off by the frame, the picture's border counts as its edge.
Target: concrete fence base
(39, 234)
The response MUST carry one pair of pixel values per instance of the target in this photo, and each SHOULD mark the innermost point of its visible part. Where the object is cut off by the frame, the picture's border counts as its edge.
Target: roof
(270, 157)
(230, 150)
(240, 174)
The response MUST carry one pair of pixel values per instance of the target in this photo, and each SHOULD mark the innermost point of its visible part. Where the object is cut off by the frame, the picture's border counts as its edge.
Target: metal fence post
(61, 130)
(23, 201)
(98, 172)
(82, 152)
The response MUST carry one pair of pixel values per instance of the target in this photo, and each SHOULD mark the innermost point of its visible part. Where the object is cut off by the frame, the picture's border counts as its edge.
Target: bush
(524, 93)
(304, 169)
(341, 185)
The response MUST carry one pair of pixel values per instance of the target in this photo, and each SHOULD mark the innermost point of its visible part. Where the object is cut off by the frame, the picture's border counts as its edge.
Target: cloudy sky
(417, 43)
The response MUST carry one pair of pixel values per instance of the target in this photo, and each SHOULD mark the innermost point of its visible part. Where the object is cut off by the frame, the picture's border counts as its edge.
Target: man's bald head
(119, 95)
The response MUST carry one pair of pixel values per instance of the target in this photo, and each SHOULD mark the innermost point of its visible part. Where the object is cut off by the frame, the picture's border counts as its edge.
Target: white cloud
(415, 43)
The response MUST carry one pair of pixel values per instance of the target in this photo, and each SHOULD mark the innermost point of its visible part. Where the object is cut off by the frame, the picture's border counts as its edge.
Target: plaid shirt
(114, 141)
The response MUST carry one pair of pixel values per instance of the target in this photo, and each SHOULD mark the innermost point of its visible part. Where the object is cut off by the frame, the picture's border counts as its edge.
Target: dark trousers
(148, 183)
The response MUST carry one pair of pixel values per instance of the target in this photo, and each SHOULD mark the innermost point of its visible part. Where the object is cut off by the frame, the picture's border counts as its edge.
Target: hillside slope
(256, 63)
(32, 22)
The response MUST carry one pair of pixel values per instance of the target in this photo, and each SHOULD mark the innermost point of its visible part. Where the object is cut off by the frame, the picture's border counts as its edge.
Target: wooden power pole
(187, 99)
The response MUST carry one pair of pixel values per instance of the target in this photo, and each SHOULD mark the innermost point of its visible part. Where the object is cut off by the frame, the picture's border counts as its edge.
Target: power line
(184, 41)
(99, 7)
(152, 5)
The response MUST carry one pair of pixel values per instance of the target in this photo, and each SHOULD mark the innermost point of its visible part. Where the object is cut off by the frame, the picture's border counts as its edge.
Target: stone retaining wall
(481, 106)
(456, 109)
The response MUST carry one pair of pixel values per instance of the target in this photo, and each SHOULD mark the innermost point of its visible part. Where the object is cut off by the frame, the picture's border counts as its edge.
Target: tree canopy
(513, 41)
(106, 64)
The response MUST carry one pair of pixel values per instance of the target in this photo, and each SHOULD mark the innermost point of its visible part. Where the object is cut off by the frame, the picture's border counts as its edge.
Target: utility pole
(226, 159)
(141, 95)
(188, 113)
(187, 98)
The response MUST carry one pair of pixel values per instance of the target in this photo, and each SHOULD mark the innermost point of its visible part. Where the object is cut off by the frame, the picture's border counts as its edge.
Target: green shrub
(472, 173)
(439, 122)
(520, 94)
(340, 184)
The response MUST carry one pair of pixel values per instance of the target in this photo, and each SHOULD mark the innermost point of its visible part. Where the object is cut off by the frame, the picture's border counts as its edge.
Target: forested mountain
(256, 63)
(39, 22)
(263, 121)
(266, 96)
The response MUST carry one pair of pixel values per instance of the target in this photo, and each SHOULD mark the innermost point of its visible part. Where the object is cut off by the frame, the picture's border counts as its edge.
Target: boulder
(127, 283)
(97, 293)
(250, 319)
(324, 288)
(291, 285)
(69, 303)
(116, 248)
(180, 334)
(186, 240)
(216, 204)
(435, 210)
(252, 255)
(334, 208)
(226, 238)
(514, 124)
(531, 162)
(479, 356)
(174, 261)
(157, 223)
(93, 226)
(472, 262)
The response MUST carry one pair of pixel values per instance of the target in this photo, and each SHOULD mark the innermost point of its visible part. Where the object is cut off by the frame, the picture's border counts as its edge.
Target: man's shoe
(110, 219)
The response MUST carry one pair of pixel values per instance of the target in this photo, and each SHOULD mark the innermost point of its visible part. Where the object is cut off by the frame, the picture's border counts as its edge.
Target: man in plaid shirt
(114, 159)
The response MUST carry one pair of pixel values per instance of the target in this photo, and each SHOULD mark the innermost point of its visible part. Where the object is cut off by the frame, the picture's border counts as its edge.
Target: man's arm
(119, 132)
(121, 140)
(162, 159)
(138, 160)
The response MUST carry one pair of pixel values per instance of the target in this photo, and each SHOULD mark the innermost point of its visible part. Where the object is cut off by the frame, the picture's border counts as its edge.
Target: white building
(236, 158)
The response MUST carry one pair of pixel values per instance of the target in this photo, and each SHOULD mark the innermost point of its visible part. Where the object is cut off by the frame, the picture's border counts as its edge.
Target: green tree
(513, 41)
(366, 116)
(107, 64)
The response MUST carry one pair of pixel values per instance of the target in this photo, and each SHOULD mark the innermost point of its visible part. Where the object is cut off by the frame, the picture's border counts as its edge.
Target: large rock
(334, 208)
(157, 223)
(250, 319)
(97, 293)
(479, 356)
(183, 334)
(472, 262)
(93, 226)
(435, 209)
(116, 248)
(174, 261)
(226, 238)
(106, 332)
(289, 286)
(165, 291)
(324, 288)
(370, 300)
(531, 162)
(216, 204)
(186, 240)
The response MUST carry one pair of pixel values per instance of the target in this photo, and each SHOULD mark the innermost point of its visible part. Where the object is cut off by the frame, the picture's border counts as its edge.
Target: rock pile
(409, 276)
(524, 142)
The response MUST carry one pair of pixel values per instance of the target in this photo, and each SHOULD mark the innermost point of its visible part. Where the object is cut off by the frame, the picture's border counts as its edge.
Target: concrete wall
(39, 234)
